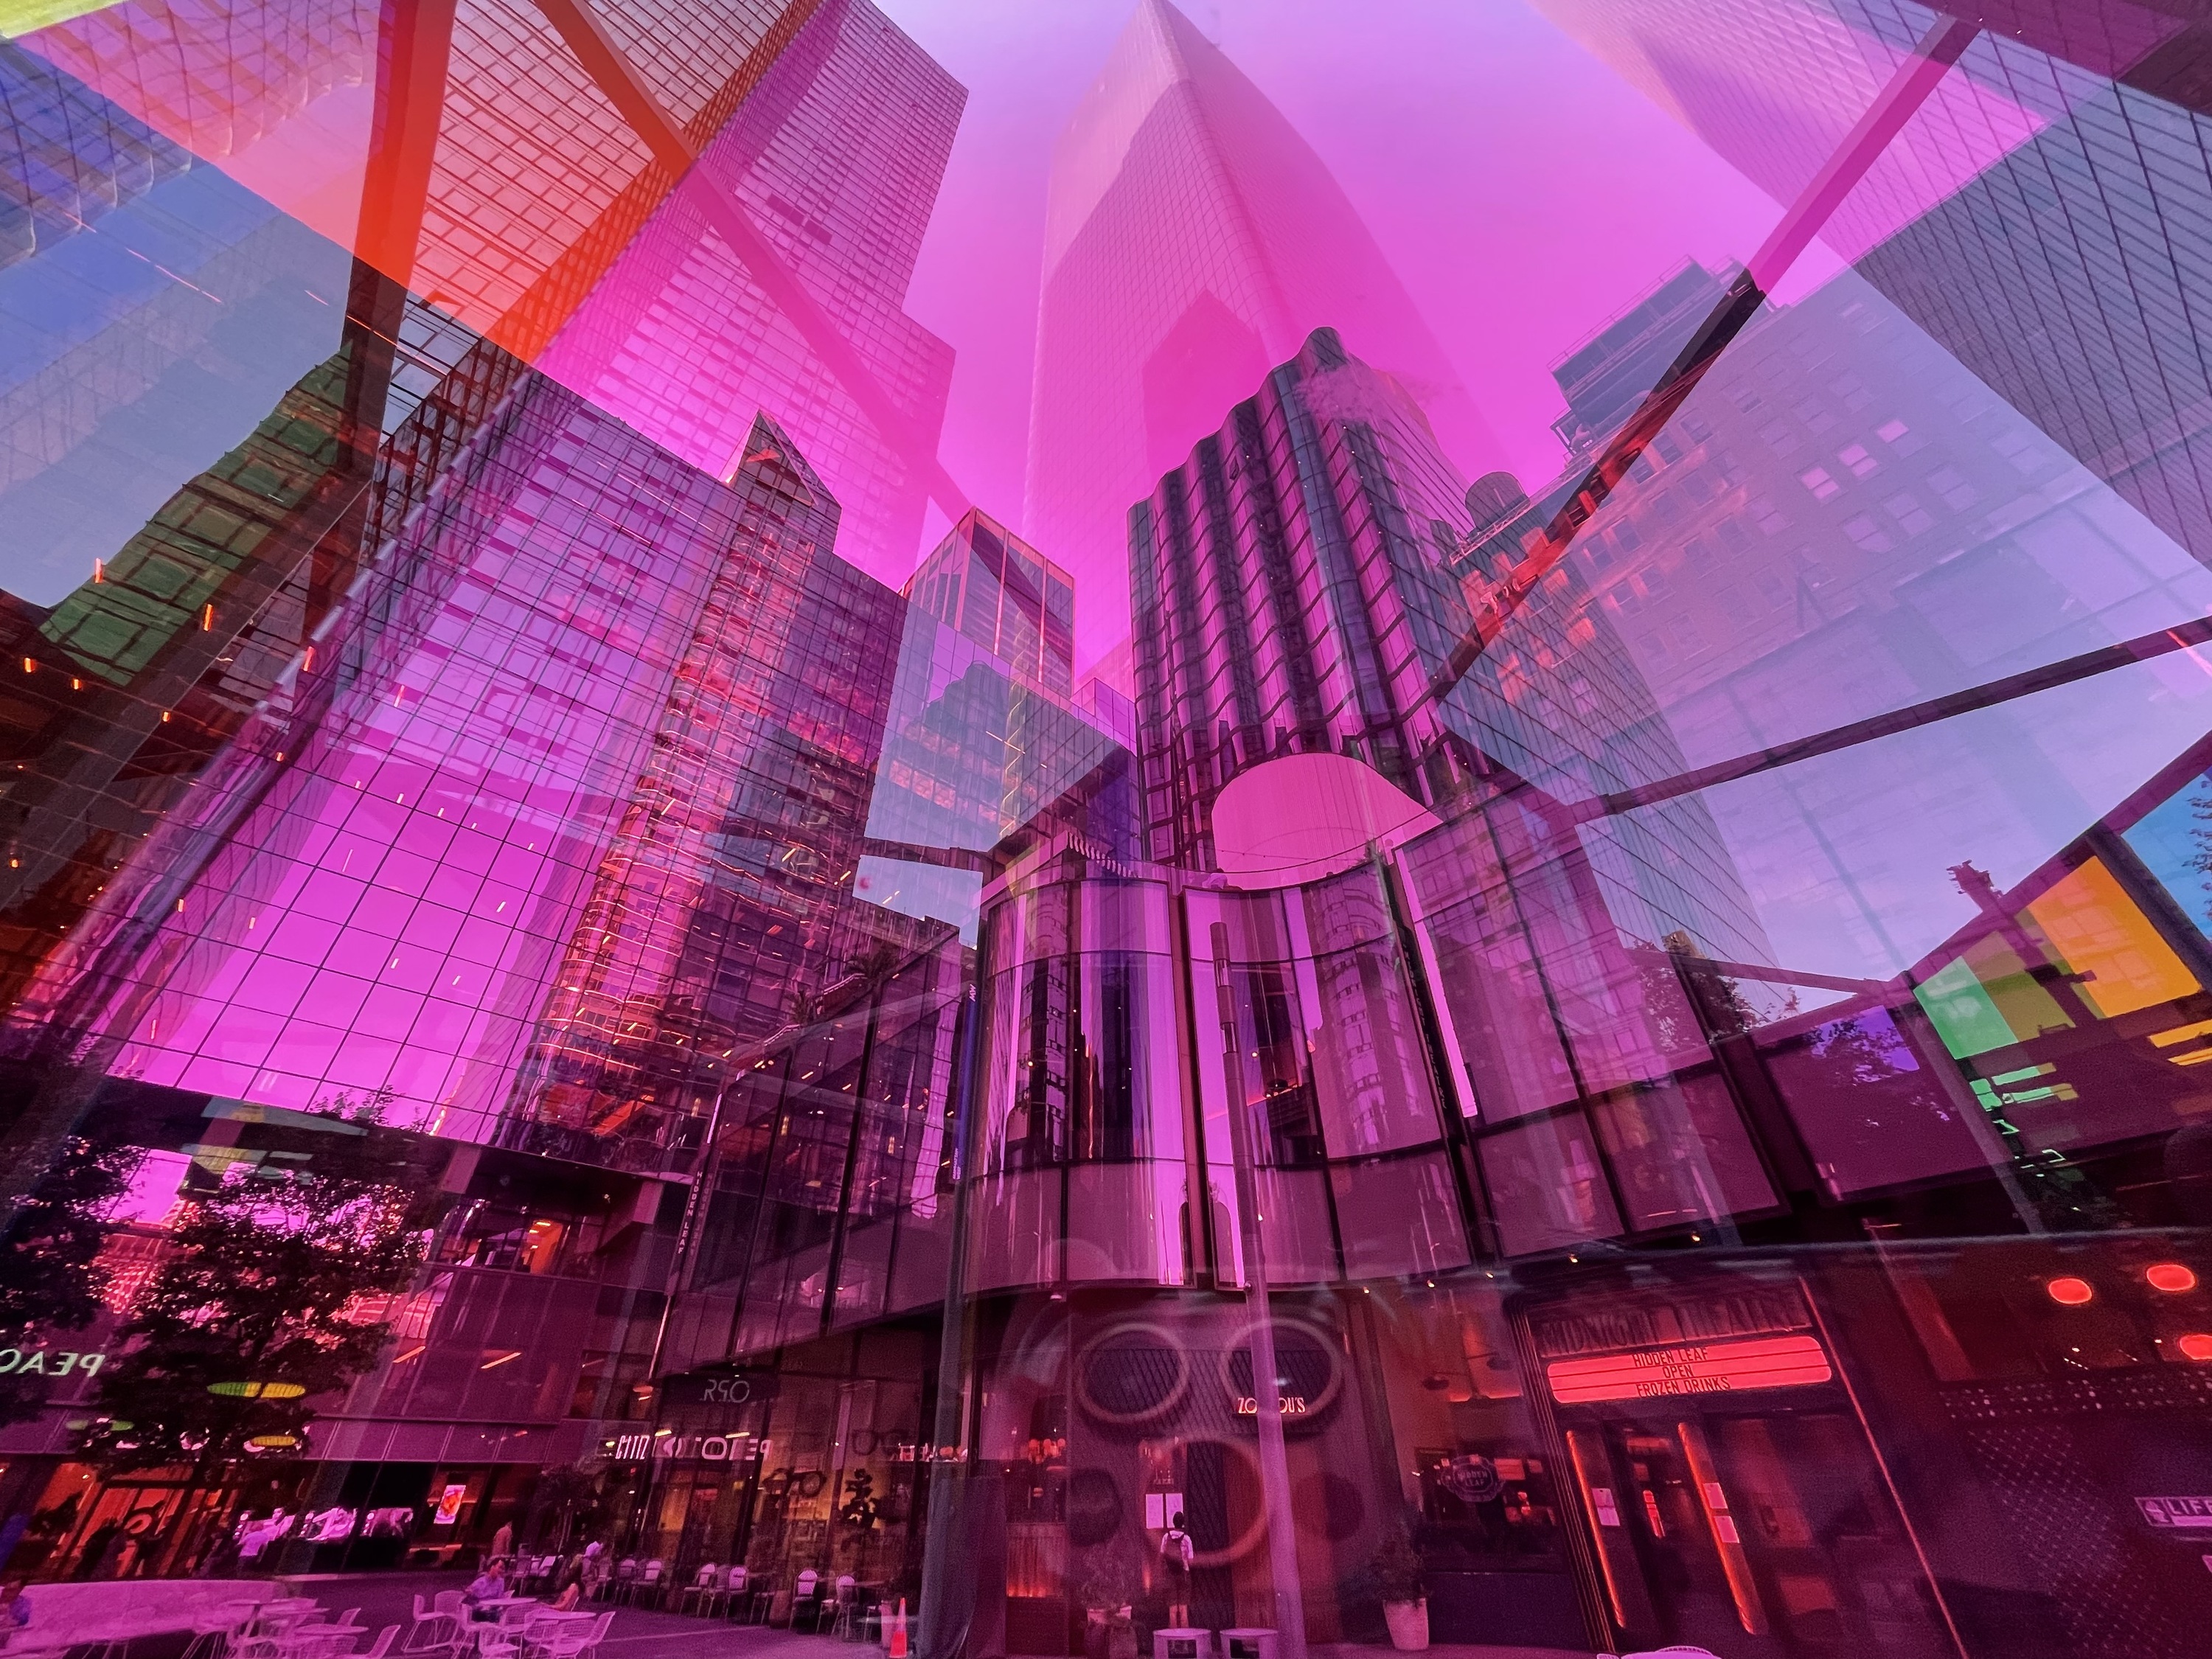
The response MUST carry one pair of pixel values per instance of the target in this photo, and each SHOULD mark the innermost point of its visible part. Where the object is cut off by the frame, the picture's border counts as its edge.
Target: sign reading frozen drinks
(1768, 1362)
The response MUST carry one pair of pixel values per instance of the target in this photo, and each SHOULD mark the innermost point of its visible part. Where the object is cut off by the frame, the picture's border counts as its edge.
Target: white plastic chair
(432, 1632)
(705, 1585)
(216, 1631)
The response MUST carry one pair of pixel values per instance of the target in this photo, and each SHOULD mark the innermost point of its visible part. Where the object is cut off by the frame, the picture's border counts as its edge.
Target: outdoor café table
(504, 1608)
(102, 1615)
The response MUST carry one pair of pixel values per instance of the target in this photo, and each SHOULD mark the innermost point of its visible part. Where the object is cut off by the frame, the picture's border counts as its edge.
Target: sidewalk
(646, 1633)
(388, 1598)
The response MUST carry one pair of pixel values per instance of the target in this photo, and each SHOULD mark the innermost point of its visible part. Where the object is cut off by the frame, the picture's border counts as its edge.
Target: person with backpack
(1176, 1552)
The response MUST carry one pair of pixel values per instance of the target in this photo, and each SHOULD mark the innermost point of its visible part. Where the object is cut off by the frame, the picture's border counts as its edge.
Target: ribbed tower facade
(1192, 239)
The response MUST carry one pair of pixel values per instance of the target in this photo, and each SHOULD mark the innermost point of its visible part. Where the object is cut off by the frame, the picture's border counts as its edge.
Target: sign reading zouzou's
(1771, 1362)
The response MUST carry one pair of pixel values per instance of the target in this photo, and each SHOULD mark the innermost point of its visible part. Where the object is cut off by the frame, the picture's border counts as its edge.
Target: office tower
(566, 944)
(527, 181)
(1192, 239)
(1254, 633)
(835, 152)
(2044, 224)
(983, 759)
(1300, 579)
(722, 907)
(1006, 596)
(1843, 520)
(180, 341)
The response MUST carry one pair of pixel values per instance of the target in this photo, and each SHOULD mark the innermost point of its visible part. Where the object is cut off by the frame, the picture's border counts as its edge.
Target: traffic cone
(898, 1631)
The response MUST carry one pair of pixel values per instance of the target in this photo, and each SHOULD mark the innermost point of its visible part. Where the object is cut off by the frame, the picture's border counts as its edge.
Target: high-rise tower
(1299, 579)
(2044, 223)
(1192, 239)
(836, 154)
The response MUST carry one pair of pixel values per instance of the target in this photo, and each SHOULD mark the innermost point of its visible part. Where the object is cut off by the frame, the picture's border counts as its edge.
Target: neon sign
(711, 1448)
(1291, 1405)
(1772, 1362)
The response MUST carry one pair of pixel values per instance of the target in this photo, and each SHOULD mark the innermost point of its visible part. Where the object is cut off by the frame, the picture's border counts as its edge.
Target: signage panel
(2194, 1513)
(1773, 1362)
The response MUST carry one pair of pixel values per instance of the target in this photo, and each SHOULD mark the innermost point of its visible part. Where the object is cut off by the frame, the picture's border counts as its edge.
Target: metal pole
(1266, 1389)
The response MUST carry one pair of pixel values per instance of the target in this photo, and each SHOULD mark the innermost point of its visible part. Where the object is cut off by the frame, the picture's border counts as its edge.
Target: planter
(1108, 1633)
(1409, 1625)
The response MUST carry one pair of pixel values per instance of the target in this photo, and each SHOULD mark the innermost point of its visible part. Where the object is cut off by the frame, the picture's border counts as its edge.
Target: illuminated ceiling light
(415, 1352)
(2070, 1292)
(258, 1390)
(274, 1442)
(2170, 1276)
(2198, 1345)
(500, 1360)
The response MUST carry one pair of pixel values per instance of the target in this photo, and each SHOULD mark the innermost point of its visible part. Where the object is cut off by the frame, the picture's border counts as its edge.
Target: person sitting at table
(571, 1588)
(489, 1585)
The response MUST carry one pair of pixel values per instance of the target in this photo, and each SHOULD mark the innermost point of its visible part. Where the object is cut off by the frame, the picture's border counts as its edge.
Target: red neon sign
(1766, 1362)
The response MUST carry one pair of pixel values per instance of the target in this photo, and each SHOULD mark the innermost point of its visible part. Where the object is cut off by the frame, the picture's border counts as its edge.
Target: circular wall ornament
(1310, 1373)
(1132, 1374)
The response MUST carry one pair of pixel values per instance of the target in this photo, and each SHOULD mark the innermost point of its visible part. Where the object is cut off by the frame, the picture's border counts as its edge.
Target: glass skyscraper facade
(598, 1045)
(1192, 239)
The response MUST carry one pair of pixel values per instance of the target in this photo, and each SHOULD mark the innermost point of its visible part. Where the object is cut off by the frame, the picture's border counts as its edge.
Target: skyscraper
(723, 905)
(1298, 580)
(213, 415)
(2047, 225)
(835, 152)
(1002, 594)
(1192, 239)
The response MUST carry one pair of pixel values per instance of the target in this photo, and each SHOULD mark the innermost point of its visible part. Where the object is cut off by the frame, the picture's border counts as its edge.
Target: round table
(503, 1622)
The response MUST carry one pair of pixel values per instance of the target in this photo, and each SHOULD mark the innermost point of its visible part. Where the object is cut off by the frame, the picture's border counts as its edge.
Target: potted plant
(1106, 1594)
(1398, 1579)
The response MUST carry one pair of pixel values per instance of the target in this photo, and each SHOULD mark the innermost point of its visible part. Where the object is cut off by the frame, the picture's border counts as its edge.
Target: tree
(267, 1300)
(569, 1493)
(50, 1279)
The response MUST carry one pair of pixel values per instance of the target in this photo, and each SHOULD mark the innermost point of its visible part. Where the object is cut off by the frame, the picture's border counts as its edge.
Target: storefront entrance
(1754, 1534)
(1731, 1496)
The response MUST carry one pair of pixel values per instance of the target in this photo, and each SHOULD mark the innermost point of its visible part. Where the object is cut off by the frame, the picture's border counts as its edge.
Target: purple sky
(1523, 190)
